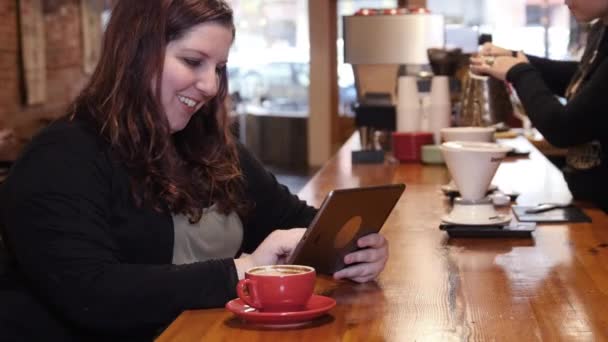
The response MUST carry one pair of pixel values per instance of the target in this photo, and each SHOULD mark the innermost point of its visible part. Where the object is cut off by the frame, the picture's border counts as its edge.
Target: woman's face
(191, 73)
(588, 10)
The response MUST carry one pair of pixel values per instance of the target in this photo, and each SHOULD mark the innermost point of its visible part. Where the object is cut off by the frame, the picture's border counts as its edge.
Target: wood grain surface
(552, 287)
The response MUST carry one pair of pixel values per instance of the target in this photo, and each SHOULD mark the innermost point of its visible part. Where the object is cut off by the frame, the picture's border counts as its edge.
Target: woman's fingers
(360, 272)
(289, 239)
(486, 49)
(371, 240)
(374, 248)
(367, 263)
(489, 49)
(496, 66)
(479, 68)
(366, 255)
(277, 246)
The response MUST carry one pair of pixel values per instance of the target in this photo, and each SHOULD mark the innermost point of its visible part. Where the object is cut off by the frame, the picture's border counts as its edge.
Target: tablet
(344, 217)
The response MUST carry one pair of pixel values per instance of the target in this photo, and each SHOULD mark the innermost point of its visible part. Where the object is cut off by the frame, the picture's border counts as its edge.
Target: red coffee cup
(277, 288)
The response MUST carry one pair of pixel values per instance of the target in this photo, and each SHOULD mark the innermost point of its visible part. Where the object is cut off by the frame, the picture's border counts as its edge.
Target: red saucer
(316, 306)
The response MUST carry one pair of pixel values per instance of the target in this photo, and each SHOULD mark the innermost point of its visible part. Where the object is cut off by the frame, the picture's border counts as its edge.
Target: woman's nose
(207, 83)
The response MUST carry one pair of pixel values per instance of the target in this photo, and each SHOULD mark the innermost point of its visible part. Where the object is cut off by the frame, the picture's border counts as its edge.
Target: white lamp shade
(392, 39)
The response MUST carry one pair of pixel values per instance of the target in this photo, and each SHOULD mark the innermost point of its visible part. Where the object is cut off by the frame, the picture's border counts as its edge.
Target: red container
(277, 288)
(407, 145)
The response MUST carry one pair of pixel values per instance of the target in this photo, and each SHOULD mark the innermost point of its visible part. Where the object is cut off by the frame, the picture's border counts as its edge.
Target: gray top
(215, 236)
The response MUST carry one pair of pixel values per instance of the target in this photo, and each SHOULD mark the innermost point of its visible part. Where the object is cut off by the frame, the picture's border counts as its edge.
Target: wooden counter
(551, 287)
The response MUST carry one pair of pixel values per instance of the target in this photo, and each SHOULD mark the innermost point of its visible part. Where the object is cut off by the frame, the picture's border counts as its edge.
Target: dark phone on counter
(514, 230)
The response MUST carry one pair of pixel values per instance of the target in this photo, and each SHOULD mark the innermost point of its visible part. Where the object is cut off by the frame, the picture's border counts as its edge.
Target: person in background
(139, 204)
(580, 125)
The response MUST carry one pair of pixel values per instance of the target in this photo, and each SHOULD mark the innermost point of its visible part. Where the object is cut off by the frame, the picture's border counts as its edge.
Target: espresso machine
(381, 45)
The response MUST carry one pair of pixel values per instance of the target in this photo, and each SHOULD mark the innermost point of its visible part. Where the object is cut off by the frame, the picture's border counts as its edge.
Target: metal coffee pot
(484, 101)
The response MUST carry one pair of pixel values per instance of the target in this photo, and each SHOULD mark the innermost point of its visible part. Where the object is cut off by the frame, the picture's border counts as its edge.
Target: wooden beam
(90, 14)
(33, 52)
(323, 123)
(415, 3)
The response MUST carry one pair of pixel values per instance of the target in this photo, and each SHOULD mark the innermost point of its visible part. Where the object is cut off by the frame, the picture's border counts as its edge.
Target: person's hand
(489, 49)
(370, 260)
(496, 66)
(273, 250)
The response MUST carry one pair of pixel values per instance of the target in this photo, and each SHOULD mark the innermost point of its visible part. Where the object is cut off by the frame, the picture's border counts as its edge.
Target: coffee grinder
(381, 45)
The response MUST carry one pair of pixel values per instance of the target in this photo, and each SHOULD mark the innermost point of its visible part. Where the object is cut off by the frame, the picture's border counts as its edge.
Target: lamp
(392, 39)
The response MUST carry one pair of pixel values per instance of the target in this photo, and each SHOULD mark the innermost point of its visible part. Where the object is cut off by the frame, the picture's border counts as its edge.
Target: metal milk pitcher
(484, 102)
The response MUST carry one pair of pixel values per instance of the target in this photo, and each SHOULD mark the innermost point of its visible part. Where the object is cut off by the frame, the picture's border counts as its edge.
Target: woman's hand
(369, 261)
(496, 66)
(489, 49)
(273, 250)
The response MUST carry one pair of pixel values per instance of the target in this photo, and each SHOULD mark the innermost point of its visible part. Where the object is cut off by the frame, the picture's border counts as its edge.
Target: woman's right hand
(273, 250)
(497, 67)
(489, 49)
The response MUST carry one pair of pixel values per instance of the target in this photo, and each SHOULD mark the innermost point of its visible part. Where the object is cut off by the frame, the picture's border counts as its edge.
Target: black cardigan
(101, 265)
(583, 119)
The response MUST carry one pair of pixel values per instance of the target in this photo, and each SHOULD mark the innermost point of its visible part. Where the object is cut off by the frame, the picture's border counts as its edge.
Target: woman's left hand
(496, 66)
(369, 261)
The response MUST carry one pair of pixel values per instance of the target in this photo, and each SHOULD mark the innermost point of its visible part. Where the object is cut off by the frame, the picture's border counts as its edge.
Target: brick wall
(65, 76)
(9, 80)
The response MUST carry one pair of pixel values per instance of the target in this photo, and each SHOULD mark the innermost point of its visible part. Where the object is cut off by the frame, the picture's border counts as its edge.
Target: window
(269, 61)
(268, 65)
(538, 27)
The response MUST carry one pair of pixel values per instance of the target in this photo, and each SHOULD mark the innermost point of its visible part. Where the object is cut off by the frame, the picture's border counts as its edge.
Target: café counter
(553, 286)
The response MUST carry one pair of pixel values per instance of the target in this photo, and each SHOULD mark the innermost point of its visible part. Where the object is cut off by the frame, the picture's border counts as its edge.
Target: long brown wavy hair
(184, 172)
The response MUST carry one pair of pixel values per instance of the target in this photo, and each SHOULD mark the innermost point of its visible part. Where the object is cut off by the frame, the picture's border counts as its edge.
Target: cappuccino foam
(278, 271)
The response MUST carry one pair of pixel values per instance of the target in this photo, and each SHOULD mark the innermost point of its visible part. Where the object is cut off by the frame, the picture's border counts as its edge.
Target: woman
(139, 204)
(581, 124)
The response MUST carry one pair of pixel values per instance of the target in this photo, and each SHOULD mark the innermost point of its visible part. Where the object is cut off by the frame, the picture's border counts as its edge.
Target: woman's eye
(192, 62)
(221, 69)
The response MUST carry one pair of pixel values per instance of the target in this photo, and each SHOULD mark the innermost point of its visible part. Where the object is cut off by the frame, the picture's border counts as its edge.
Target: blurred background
(48, 49)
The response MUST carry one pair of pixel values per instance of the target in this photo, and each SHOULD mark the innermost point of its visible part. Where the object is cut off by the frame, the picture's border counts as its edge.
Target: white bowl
(472, 165)
(485, 134)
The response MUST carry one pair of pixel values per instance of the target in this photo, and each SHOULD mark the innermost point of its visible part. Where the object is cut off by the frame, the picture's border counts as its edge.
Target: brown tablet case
(344, 217)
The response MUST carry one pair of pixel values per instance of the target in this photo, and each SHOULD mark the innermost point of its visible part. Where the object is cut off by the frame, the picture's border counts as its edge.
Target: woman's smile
(189, 102)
